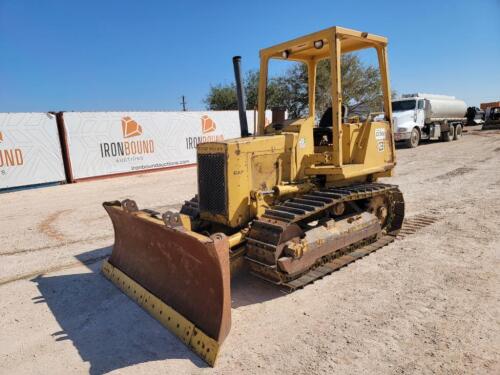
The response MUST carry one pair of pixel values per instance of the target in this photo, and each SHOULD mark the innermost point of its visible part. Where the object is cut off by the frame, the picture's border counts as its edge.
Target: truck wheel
(414, 139)
(458, 132)
(448, 136)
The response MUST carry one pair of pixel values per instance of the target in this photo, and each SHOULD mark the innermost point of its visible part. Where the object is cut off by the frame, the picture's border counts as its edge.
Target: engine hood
(403, 119)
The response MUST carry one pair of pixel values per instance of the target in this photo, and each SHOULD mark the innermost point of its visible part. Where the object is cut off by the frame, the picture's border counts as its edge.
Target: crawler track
(274, 228)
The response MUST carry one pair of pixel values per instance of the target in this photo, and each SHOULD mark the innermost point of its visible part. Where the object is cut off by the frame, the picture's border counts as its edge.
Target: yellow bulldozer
(293, 202)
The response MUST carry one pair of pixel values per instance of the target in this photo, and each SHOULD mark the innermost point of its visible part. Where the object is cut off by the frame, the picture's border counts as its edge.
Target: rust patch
(47, 226)
(190, 272)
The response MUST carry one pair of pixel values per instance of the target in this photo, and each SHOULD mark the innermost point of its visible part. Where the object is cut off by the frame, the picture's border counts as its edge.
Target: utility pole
(183, 103)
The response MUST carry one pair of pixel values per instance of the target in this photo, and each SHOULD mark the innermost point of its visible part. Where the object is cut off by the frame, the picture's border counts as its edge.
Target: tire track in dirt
(415, 223)
(485, 133)
(72, 264)
(50, 247)
(453, 173)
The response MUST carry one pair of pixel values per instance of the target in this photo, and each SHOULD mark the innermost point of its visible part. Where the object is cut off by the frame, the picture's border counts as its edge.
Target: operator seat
(323, 133)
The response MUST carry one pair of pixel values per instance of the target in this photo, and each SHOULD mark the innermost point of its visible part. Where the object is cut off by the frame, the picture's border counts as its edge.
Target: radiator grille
(212, 183)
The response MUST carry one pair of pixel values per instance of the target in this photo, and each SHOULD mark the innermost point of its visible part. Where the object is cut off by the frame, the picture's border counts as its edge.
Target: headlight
(402, 130)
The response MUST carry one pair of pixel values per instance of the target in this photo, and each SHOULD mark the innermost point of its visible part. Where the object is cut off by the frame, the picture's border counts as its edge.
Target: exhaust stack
(240, 95)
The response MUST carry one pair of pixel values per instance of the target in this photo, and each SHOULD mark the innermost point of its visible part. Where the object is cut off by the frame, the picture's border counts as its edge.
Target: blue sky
(143, 55)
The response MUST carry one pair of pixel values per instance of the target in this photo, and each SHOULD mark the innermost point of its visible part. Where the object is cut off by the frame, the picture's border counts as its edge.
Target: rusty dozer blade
(180, 277)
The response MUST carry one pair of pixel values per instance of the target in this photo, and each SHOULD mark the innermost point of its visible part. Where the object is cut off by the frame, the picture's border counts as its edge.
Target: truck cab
(419, 117)
(409, 120)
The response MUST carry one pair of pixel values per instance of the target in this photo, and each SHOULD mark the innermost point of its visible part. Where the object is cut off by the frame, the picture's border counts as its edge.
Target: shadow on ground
(247, 289)
(109, 330)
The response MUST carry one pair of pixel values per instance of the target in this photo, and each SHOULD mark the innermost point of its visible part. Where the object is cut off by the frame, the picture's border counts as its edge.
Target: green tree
(361, 89)
(251, 84)
(221, 98)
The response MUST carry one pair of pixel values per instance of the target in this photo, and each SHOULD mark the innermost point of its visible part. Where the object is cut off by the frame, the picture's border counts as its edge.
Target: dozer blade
(180, 277)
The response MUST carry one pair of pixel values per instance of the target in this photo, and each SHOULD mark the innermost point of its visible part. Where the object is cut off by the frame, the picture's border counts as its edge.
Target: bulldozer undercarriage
(283, 249)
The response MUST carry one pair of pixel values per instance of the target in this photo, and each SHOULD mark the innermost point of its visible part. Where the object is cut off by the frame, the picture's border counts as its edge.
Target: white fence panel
(104, 143)
(30, 151)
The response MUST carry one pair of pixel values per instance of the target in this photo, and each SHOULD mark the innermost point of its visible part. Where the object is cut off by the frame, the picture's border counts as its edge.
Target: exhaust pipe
(240, 95)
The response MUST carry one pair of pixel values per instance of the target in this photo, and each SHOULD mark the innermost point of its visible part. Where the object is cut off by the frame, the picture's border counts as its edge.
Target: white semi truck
(427, 116)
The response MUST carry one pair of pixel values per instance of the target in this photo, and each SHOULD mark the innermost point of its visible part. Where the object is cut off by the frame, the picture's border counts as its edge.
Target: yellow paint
(360, 151)
(236, 239)
(251, 164)
(185, 221)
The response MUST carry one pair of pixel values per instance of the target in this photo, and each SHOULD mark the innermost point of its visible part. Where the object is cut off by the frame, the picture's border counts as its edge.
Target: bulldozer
(290, 203)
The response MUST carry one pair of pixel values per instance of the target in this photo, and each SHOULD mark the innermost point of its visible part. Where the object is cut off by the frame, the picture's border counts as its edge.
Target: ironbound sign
(106, 143)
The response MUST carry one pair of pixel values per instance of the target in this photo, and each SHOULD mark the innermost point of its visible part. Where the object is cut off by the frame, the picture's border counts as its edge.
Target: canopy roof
(303, 49)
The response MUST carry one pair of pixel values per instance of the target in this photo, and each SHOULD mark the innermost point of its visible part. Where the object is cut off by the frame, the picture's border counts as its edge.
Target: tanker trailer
(427, 117)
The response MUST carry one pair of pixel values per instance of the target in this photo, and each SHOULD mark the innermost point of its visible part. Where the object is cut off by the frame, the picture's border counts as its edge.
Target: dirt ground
(427, 303)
